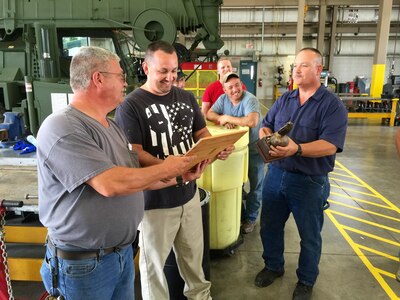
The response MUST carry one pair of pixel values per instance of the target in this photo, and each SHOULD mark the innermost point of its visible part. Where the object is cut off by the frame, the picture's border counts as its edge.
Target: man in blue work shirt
(299, 183)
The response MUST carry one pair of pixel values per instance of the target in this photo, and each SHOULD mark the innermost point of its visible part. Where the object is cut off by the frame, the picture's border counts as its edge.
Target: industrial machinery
(328, 80)
(39, 37)
(279, 88)
(392, 88)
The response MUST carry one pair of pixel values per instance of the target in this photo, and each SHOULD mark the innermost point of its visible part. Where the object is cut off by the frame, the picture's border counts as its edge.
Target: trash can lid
(204, 196)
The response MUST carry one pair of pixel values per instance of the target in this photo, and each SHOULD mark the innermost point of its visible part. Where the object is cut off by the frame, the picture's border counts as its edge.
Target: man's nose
(171, 77)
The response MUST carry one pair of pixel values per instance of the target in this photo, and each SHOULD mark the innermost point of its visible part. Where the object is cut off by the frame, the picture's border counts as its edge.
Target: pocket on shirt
(307, 130)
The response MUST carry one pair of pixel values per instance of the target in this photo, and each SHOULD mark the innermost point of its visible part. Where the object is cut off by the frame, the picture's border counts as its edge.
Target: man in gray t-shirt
(90, 186)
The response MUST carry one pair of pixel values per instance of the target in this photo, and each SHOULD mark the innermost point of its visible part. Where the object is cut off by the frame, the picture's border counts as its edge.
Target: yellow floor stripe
(364, 210)
(345, 181)
(361, 255)
(337, 180)
(337, 167)
(363, 201)
(264, 109)
(355, 191)
(380, 275)
(370, 235)
(386, 273)
(380, 253)
(370, 188)
(339, 174)
(366, 222)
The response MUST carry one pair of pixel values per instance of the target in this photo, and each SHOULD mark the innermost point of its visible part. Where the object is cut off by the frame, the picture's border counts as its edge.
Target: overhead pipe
(262, 31)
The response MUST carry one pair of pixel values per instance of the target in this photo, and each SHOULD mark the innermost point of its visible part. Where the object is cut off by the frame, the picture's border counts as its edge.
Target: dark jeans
(303, 196)
(256, 175)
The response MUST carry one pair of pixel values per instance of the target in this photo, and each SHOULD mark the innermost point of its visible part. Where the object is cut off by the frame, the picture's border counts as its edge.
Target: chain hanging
(4, 252)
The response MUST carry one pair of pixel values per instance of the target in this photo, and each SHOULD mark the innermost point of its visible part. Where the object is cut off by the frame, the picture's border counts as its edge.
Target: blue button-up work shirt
(322, 117)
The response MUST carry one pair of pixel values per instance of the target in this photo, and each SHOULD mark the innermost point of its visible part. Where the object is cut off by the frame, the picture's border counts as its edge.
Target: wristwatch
(299, 150)
(179, 180)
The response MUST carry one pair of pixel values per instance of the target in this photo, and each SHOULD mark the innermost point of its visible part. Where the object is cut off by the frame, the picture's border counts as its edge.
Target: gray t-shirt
(72, 148)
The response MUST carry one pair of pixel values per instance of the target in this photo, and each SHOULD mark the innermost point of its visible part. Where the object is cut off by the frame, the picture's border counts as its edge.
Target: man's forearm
(318, 148)
(212, 116)
(145, 158)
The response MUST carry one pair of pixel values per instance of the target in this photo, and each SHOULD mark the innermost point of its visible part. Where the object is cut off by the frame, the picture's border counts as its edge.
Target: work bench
(359, 106)
(24, 235)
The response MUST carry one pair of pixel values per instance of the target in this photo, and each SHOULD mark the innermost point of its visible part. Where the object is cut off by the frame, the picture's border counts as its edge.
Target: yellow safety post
(377, 80)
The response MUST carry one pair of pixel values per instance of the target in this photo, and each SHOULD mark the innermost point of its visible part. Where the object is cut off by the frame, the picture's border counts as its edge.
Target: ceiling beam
(290, 28)
(261, 3)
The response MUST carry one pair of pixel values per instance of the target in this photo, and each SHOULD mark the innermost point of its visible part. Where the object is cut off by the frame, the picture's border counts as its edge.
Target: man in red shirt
(215, 89)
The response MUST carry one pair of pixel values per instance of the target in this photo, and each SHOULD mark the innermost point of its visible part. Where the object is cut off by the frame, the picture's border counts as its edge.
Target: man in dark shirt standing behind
(299, 183)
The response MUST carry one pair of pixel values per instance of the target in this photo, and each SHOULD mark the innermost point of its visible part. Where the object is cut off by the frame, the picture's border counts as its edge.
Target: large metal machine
(39, 37)
(392, 88)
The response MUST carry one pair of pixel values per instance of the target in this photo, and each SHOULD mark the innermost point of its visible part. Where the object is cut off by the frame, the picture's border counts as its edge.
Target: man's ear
(97, 78)
(145, 67)
(320, 68)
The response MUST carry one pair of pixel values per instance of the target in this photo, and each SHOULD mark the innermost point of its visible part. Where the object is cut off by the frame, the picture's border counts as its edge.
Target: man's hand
(223, 119)
(229, 126)
(264, 131)
(177, 165)
(196, 172)
(224, 154)
(286, 151)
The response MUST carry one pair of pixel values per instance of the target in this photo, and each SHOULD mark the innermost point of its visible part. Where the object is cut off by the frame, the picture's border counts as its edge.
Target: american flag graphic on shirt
(170, 128)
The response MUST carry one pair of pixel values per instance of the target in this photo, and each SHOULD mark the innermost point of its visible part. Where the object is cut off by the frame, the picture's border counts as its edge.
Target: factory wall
(353, 57)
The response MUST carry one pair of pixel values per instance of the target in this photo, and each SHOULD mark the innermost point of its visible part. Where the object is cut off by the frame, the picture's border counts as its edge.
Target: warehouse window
(70, 45)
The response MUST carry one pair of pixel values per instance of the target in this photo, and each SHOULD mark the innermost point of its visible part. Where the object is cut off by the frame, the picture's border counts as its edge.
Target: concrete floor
(361, 235)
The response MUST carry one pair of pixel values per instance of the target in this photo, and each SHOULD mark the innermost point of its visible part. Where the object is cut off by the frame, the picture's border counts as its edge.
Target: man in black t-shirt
(159, 120)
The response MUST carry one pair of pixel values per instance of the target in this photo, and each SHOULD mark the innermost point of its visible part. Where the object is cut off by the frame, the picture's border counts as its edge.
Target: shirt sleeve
(253, 105)
(128, 120)
(218, 106)
(269, 118)
(334, 125)
(206, 96)
(76, 158)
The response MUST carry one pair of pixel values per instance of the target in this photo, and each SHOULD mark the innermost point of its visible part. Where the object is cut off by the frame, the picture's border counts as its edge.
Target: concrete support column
(321, 26)
(381, 45)
(333, 38)
(300, 25)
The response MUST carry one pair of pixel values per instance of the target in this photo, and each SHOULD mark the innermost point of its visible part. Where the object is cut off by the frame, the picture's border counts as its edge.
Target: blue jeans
(304, 196)
(256, 175)
(108, 277)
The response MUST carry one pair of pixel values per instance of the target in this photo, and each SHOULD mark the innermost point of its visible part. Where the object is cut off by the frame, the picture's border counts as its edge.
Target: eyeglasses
(122, 76)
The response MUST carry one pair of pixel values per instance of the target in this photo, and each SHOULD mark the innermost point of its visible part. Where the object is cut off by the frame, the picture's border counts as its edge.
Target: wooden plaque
(262, 147)
(209, 147)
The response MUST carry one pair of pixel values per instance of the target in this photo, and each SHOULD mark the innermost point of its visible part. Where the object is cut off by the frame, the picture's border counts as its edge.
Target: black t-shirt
(163, 125)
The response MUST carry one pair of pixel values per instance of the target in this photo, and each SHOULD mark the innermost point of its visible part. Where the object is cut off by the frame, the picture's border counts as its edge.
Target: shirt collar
(317, 95)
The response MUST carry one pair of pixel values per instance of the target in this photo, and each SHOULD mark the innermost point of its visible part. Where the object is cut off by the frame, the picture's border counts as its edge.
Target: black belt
(77, 255)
